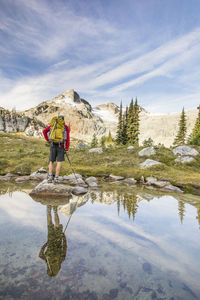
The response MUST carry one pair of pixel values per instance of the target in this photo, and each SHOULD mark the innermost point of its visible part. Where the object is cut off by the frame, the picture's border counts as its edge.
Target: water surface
(119, 244)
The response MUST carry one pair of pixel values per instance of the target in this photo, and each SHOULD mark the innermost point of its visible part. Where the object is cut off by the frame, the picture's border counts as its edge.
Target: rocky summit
(84, 120)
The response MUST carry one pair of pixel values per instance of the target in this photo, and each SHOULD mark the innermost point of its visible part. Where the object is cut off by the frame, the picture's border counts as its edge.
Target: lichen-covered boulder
(148, 151)
(45, 189)
(184, 159)
(116, 178)
(96, 150)
(149, 163)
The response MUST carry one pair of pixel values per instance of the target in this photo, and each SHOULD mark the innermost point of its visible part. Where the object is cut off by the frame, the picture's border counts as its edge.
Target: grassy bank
(22, 155)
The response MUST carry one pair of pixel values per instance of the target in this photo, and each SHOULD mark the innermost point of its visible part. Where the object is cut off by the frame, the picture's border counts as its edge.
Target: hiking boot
(49, 178)
(56, 179)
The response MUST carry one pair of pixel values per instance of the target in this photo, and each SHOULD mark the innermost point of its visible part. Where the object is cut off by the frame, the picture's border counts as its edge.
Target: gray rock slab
(148, 151)
(72, 176)
(38, 176)
(130, 181)
(81, 146)
(96, 150)
(45, 189)
(116, 178)
(185, 150)
(149, 163)
(5, 178)
(78, 190)
(93, 185)
(185, 159)
(22, 178)
(155, 182)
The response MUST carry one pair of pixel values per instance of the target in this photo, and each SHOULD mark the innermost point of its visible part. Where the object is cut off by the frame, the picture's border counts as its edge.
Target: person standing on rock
(57, 134)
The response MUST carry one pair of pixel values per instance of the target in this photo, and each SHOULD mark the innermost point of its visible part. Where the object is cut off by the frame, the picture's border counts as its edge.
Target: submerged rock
(79, 190)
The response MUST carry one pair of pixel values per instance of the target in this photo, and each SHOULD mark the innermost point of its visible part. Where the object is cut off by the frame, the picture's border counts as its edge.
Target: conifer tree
(124, 129)
(130, 123)
(94, 142)
(119, 127)
(181, 135)
(181, 209)
(194, 138)
(136, 123)
(109, 139)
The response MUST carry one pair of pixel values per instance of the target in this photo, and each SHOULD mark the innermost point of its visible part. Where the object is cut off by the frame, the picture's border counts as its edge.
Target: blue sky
(106, 50)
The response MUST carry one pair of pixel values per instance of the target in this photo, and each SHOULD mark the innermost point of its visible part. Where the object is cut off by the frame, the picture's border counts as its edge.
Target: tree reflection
(181, 210)
(53, 252)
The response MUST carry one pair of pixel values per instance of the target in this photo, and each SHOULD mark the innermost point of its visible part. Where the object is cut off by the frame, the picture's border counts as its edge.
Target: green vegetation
(181, 135)
(194, 138)
(23, 155)
(128, 125)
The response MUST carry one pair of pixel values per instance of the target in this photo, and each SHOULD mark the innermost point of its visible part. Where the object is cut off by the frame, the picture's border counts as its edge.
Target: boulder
(38, 176)
(90, 179)
(184, 151)
(78, 190)
(149, 163)
(5, 178)
(71, 179)
(163, 185)
(93, 185)
(130, 181)
(130, 147)
(96, 150)
(116, 178)
(45, 189)
(171, 188)
(148, 151)
(184, 159)
(81, 146)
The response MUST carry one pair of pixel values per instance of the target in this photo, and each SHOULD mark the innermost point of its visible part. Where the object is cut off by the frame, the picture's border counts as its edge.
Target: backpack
(58, 131)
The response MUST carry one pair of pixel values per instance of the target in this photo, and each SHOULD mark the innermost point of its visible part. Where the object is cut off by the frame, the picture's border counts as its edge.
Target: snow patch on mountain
(105, 115)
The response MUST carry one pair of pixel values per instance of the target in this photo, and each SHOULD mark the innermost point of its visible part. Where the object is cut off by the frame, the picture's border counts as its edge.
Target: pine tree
(181, 209)
(94, 142)
(181, 135)
(109, 138)
(136, 123)
(194, 138)
(130, 123)
(124, 129)
(119, 127)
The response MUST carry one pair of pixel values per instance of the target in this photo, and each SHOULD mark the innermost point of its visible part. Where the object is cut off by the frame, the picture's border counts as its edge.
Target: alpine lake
(116, 242)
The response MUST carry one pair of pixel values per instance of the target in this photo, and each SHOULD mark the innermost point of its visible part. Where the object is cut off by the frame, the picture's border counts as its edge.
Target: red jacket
(46, 130)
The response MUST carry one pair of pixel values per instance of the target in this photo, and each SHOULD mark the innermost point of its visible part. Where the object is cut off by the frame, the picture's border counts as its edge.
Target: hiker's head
(62, 117)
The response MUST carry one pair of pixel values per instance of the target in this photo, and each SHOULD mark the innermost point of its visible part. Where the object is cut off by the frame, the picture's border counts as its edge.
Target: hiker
(57, 134)
(53, 252)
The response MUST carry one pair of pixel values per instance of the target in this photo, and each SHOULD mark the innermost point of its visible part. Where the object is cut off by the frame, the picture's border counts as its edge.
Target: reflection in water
(53, 252)
(122, 244)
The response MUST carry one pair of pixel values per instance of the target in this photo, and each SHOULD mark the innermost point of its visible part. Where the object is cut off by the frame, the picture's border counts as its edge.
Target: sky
(106, 50)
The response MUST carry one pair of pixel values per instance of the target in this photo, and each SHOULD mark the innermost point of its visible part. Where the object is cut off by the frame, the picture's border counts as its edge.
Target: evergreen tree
(102, 141)
(119, 127)
(109, 139)
(181, 209)
(124, 129)
(181, 135)
(130, 124)
(194, 138)
(94, 142)
(136, 123)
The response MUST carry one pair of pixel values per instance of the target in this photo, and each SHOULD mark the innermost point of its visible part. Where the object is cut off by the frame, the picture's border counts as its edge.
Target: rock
(96, 150)
(41, 171)
(38, 176)
(155, 182)
(148, 151)
(93, 185)
(90, 179)
(130, 147)
(185, 150)
(32, 152)
(171, 188)
(149, 163)
(22, 178)
(184, 159)
(81, 146)
(116, 178)
(130, 181)
(5, 178)
(72, 177)
(51, 190)
(78, 190)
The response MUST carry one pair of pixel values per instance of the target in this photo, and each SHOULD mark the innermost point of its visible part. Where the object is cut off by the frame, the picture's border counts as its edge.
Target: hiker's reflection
(54, 250)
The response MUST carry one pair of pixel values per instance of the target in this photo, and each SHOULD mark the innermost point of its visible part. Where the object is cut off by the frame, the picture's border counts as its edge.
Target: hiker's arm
(45, 131)
(41, 254)
(68, 138)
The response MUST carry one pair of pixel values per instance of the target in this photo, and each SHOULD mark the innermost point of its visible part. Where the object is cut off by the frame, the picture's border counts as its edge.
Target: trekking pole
(70, 217)
(71, 166)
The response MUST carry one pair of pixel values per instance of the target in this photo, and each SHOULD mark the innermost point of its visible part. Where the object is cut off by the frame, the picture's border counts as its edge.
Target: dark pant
(57, 152)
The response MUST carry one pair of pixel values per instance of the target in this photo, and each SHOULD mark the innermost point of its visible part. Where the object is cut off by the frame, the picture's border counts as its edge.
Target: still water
(119, 244)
